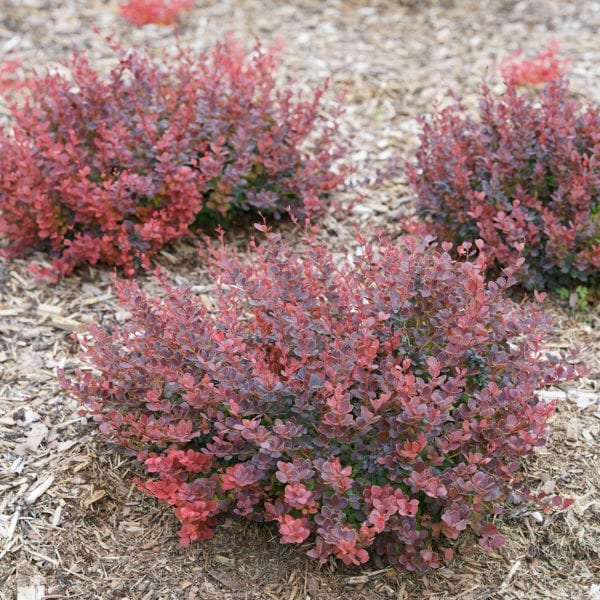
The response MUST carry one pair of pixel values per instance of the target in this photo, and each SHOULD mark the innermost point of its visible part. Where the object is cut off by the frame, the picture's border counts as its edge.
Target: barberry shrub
(543, 68)
(523, 177)
(379, 404)
(160, 12)
(9, 79)
(103, 170)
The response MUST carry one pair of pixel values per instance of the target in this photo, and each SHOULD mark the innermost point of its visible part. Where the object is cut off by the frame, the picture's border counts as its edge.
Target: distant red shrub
(382, 405)
(102, 170)
(544, 67)
(160, 12)
(524, 177)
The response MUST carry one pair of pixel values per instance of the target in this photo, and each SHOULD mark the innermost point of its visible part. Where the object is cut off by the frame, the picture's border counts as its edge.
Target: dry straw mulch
(71, 523)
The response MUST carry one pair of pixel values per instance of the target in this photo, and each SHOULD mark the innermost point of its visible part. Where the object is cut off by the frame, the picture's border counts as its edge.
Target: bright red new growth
(544, 67)
(524, 177)
(160, 12)
(379, 405)
(97, 169)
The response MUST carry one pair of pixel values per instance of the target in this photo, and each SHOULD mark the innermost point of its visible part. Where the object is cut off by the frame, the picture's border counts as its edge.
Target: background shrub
(544, 67)
(525, 172)
(161, 12)
(383, 404)
(100, 170)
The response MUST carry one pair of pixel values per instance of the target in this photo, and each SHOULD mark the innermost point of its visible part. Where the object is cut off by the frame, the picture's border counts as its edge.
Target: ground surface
(71, 523)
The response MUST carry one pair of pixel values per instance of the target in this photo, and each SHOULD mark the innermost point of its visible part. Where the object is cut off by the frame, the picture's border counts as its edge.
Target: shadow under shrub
(523, 176)
(378, 404)
(97, 169)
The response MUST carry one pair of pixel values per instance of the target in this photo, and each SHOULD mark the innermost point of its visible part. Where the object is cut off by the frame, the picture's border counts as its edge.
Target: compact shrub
(101, 170)
(380, 405)
(525, 172)
(160, 12)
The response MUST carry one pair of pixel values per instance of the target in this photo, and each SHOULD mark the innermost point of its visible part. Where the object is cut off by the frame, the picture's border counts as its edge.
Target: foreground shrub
(160, 12)
(524, 173)
(543, 68)
(381, 405)
(96, 170)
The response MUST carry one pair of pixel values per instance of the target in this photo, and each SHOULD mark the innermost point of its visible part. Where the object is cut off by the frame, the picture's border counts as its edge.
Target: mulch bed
(72, 525)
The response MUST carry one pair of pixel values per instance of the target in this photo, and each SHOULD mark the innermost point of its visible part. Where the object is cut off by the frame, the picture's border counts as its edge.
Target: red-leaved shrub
(544, 67)
(381, 404)
(526, 172)
(97, 169)
(160, 12)
(9, 80)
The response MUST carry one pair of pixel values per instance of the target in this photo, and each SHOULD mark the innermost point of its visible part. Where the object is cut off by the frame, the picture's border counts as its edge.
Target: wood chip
(94, 497)
(224, 579)
(206, 300)
(96, 299)
(224, 560)
(12, 525)
(31, 592)
(66, 324)
(49, 309)
(39, 489)
(37, 434)
(57, 514)
(30, 584)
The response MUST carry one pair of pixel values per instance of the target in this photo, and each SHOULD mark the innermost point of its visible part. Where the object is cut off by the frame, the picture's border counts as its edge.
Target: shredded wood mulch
(72, 523)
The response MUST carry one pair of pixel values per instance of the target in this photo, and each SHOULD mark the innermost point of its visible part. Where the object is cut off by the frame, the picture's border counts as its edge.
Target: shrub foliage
(101, 170)
(543, 68)
(381, 404)
(160, 12)
(9, 79)
(524, 172)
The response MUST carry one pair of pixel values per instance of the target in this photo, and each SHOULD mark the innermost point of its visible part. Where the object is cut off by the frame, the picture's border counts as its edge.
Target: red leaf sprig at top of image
(104, 169)
(380, 402)
(159, 12)
(543, 68)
